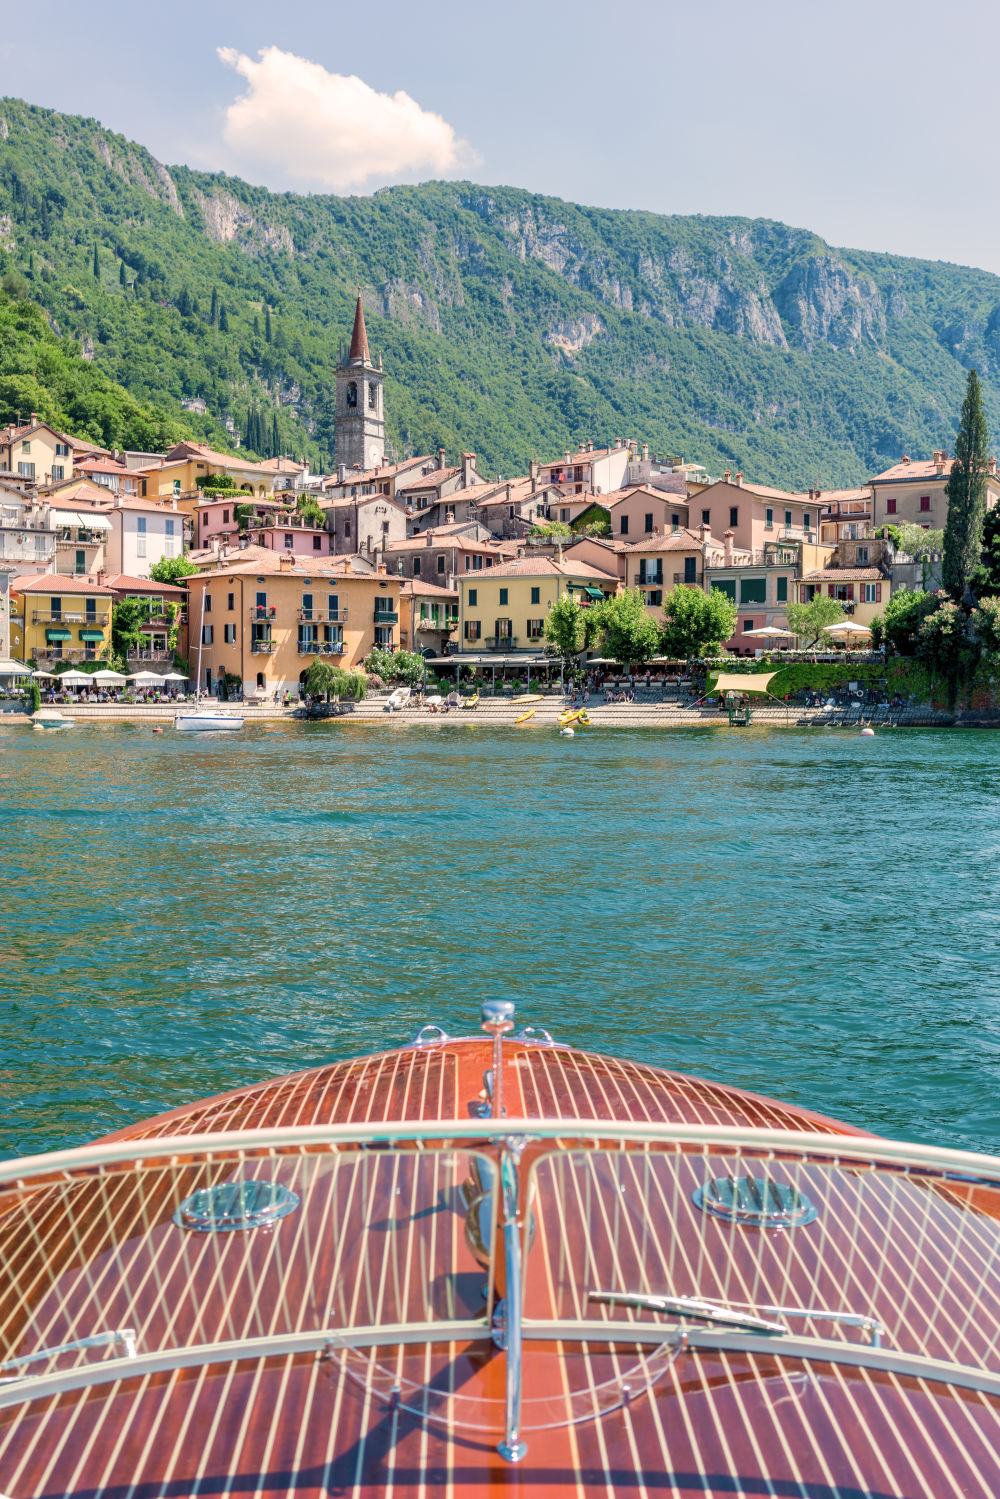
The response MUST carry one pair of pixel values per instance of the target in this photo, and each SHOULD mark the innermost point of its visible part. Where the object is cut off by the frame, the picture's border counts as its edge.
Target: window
(229, 634)
(706, 517)
(675, 522)
(769, 518)
(842, 591)
(807, 522)
(925, 502)
(307, 606)
(57, 608)
(473, 597)
(503, 595)
(477, 564)
(58, 471)
(90, 607)
(289, 539)
(26, 447)
(225, 517)
(26, 470)
(230, 601)
(62, 449)
(873, 593)
(208, 603)
(168, 528)
(352, 395)
(347, 530)
(140, 536)
(726, 586)
(261, 601)
(177, 486)
(862, 554)
(333, 605)
(654, 596)
(416, 567)
(648, 524)
(206, 634)
(441, 562)
(502, 629)
(788, 517)
(753, 590)
(734, 515)
(536, 629)
(383, 635)
(890, 505)
(204, 521)
(81, 562)
(372, 395)
(807, 592)
(536, 595)
(747, 624)
(317, 543)
(690, 569)
(473, 629)
(564, 515)
(781, 594)
(624, 526)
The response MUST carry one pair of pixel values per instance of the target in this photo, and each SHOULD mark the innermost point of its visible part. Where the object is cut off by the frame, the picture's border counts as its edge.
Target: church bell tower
(359, 429)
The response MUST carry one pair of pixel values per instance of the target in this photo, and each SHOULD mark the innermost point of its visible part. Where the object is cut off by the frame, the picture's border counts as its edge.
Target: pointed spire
(359, 338)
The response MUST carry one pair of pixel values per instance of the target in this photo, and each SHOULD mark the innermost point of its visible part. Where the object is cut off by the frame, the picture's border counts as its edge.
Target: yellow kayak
(472, 702)
(523, 717)
(583, 716)
(570, 716)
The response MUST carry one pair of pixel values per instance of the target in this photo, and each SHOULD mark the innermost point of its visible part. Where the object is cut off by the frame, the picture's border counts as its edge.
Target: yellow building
(506, 607)
(862, 591)
(59, 619)
(267, 619)
(914, 491)
(176, 478)
(37, 452)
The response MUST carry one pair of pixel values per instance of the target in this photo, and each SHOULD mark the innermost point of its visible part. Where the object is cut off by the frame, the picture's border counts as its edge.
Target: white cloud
(311, 128)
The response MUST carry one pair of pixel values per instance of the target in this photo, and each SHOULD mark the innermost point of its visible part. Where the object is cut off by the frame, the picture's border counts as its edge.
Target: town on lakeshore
(138, 577)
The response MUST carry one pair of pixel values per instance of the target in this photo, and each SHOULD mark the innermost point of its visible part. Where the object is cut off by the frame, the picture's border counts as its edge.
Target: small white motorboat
(206, 721)
(50, 721)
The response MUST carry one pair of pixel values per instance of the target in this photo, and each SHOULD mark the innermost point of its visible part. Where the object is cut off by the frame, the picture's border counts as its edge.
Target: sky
(853, 121)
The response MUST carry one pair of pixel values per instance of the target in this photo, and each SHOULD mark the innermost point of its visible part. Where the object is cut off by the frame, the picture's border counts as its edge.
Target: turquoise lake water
(805, 913)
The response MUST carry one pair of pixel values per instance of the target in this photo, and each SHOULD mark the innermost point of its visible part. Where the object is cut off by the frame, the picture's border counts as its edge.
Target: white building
(142, 533)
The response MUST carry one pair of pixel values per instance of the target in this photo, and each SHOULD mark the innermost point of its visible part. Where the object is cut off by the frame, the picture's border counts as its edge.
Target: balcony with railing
(322, 616)
(386, 616)
(151, 653)
(501, 642)
(263, 611)
(695, 580)
(446, 623)
(337, 648)
(262, 645)
(96, 621)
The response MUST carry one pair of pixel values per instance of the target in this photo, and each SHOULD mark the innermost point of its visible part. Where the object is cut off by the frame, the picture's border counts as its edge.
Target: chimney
(905, 458)
(739, 480)
(566, 456)
(727, 477)
(645, 452)
(534, 469)
(939, 460)
(449, 517)
(590, 445)
(558, 551)
(430, 540)
(34, 416)
(441, 457)
(705, 532)
(991, 466)
(468, 470)
(618, 442)
(727, 547)
(341, 472)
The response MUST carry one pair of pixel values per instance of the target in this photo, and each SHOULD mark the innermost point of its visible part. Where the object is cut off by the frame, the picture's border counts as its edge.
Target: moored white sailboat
(199, 720)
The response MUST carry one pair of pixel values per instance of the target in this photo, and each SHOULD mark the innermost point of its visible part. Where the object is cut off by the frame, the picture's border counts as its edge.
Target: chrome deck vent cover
(754, 1201)
(228, 1206)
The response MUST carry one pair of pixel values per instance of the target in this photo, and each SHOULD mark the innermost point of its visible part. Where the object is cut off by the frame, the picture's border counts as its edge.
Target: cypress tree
(267, 324)
(966, 491)
(214, 314)
(121, 273)
(184, 302)
(97, 263)
(223, 319)
(246, 428)
(256, 325)
(275, 439)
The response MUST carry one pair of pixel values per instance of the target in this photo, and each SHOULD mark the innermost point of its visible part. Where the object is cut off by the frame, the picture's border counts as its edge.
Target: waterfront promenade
(495, 711)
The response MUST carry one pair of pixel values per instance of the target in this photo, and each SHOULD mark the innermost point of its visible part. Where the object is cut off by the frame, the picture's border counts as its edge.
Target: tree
(985, 619)
(223, 319)
(311, 511)
(171, 570)
(943, 644)
(128, 621)
(213, 315)
(553, 530)
(267, 325)
(696, 623)
(900, 620)
(323, 680)
(986, 578)
(121, 273)
(275, 438)
(184, 303)
(564, 627)
(629, 635)
(809, 620)
(408, 667)
(97, 263)
(966, 491)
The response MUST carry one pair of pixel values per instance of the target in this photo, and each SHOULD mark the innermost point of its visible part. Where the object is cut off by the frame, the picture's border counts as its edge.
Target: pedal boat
(497, 1264)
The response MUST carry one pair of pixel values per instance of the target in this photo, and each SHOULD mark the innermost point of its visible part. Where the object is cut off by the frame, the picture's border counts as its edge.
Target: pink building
(756, 514)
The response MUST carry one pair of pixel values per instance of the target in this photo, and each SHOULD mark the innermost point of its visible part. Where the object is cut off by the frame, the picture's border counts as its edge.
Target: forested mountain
(508, 323)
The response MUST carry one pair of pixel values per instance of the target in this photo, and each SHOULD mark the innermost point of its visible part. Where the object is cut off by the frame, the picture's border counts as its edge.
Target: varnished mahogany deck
(379, 1238)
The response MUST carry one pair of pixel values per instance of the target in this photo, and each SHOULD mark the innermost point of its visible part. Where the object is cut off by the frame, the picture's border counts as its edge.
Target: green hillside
(508, 323)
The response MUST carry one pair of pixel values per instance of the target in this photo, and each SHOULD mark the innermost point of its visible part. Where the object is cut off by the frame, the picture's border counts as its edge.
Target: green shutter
(728, 587)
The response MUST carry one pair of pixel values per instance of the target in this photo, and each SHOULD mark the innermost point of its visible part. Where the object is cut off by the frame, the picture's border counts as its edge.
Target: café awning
(731, 681)
(60, 633)
(92, 635)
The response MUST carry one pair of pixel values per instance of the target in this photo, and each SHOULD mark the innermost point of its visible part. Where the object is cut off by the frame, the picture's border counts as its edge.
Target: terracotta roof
(54, 583)
(418, 544)
(911, 469)
(303, 568)
(431, 480)
(14, 434)
(120, 581)
(144, 505)
(543, 567)
(359, 338)
(416, 587)
(682, 540)
(844, 575)
(583, 457)
(368, 475)
(841, 496)
(103, 466)
(82, 489)
(618, 496)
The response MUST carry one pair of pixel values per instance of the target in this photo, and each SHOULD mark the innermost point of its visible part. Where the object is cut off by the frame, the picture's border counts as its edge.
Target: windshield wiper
(688, 1306)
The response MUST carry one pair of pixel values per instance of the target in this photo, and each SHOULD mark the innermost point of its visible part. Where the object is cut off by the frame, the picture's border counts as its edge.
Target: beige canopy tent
(731, 681)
